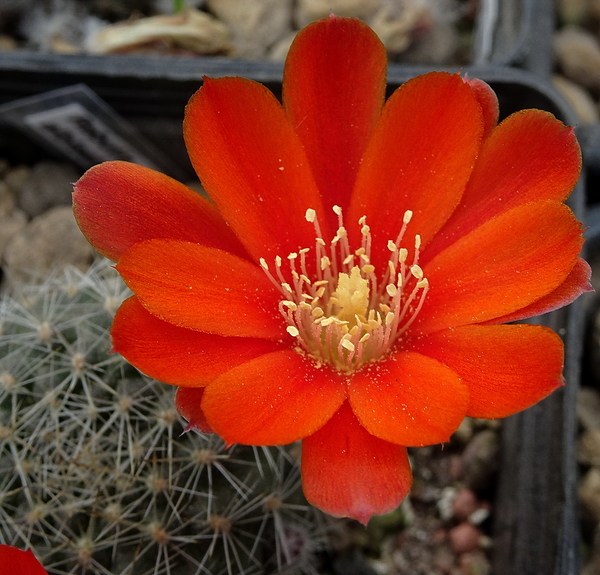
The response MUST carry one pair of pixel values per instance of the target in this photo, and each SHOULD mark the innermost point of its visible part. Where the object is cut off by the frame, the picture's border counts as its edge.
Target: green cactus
(95, 475)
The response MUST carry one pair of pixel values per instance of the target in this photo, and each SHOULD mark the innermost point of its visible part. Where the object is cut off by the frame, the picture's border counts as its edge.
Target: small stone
(279, 51)
(464, 538)
(589, 494)
(7, 200)
(574, 11)
(475, 563)
(588, 407)
(16, 177)
(48, 241)
(589, 447)
(480, 460)
(10, 225)
(308, 11)
(443, 558)
(578, 55)
(48, 184)
(464, 504)
(579, 99)
(255, 26)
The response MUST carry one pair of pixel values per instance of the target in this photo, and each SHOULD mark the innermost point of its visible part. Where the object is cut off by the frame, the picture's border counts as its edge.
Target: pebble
(7, 200)
(464, 504)
(10, 225)
(16, 177)
(480, 460)
(580, 100)
(589, 494)
(589, 447)
(464, 537)
(48, 241)
(475, 563)
(578, 55)
(255, 26)
(47, 185)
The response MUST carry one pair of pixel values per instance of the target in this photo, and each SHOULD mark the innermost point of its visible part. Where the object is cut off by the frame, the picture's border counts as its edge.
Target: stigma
(346, 313)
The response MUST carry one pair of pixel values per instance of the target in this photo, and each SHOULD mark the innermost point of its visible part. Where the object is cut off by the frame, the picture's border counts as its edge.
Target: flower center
(347, 315)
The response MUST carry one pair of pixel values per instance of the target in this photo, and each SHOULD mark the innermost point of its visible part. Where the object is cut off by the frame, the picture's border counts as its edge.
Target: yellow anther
(290, 305)
(347, 344)
(391, 290)
(368, 269)
(337, 210)
(317, 312)
(423, 283)
(310, 215)
(389, 318)
(292, 330)
(391, 246)
(263, 264)
(416, 271)
(417, 241)
(407, 216)
(325, 263)
(402, 254)
(292, 256)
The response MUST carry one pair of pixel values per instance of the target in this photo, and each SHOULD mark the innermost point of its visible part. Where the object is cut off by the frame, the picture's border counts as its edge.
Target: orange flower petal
(177, 355)
(333, 91)
(530, 156)
(419, 158)
(17, 562)
(507, 368)
(576, 283)
(488, 101)
(504, 265)
(272, 400)
(188, 404)
(252, 164)
(347, 472)
(203, 288)
(410, 399)
(118, 204)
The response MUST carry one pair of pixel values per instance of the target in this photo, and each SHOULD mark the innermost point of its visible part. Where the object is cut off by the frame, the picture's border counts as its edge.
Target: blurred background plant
(95, 475)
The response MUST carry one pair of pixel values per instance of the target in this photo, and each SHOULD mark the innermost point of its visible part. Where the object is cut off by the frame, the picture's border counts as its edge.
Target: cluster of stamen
(347, 316)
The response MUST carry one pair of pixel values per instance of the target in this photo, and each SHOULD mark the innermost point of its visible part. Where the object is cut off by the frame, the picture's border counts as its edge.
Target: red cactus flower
(13, 561)
(346, 284)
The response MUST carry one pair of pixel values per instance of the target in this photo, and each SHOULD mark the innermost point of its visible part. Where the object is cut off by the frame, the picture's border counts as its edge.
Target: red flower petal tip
(13, 561)
(345, 284)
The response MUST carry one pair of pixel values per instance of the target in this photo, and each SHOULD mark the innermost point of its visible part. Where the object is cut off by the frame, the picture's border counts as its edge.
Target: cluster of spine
(95, 475)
